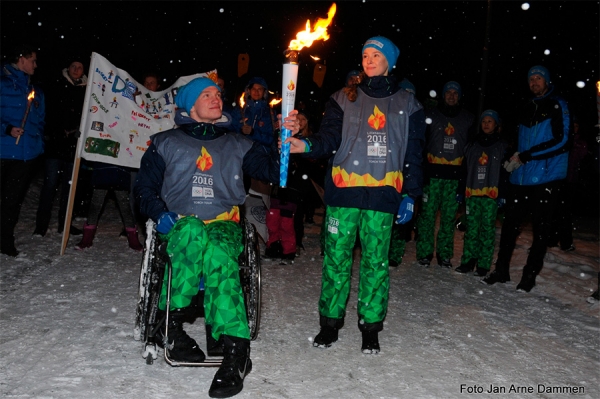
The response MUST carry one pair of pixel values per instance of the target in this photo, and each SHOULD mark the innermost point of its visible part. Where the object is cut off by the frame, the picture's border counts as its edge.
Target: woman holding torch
(374, 133)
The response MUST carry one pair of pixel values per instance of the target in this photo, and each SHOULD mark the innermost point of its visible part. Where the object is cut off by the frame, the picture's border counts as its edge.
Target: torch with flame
(303, 39)
(30, 98)
(272, 104)
(242, 104)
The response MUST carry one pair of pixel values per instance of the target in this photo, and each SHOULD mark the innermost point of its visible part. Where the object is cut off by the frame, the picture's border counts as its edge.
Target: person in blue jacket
(537, 169)
(255, 121)
(190, 183)
(374, 133)
(21, 140)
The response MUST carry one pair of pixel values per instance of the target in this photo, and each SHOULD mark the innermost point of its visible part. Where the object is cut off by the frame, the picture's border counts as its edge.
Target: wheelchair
(154, 264)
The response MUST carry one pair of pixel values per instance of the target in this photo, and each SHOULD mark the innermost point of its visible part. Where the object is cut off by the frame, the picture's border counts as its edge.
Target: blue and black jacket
(545, 130)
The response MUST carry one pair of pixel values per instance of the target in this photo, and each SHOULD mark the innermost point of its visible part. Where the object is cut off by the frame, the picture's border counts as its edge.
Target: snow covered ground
(67, 328)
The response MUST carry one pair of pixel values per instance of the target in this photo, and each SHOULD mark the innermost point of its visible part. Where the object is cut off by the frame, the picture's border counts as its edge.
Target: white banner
(122, 114)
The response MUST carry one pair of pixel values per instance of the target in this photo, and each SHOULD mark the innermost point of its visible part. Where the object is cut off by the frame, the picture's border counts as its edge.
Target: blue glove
(460, 198)
(406, 210)
(166, 221)
(501, 202)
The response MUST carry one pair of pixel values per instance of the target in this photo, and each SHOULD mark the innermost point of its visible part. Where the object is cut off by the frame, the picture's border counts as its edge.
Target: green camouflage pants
(210, 251)
(438, 194)
(481, 231)
(374, 229)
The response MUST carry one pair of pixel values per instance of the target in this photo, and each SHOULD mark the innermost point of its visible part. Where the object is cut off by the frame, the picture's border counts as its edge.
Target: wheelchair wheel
(151, 275)
(250, 277)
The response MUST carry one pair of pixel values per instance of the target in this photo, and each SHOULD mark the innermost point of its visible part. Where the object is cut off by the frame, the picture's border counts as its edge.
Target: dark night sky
(438, 41)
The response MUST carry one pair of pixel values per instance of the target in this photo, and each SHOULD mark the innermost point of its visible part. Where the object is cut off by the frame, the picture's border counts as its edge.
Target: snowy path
(67, 328)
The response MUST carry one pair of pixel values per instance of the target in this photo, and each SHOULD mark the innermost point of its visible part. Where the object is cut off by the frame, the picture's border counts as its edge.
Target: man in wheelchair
(190, 184)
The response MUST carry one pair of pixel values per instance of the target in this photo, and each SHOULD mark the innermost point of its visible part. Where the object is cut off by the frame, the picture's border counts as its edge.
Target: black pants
(538, 202)
(15, 178)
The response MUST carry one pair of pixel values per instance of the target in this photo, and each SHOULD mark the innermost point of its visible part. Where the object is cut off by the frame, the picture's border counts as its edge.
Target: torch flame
(315, 58)
(31, 95)
(242, 102)
(598, 87)
(274, 102)
(306, 37)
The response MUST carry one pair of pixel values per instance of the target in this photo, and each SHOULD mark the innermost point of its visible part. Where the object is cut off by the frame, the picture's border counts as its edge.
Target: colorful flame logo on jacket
(449, 130)
(483, 159)
(204, 161)
(291, 86)
(377, 119)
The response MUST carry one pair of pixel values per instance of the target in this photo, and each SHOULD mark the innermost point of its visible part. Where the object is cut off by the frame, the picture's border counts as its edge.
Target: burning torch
(29, 101)
(290, 78)
(242, 104)
(272, 104)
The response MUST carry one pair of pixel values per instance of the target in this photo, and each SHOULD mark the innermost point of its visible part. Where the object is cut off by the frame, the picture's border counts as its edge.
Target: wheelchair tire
(151, 276)
(250, 277)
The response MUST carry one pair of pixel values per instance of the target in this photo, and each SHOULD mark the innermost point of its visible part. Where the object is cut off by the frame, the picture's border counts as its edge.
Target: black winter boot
(229, 379)
(466, 267)
(370, 342)
(370, 336)
(180, 346)
(499, 275)
(329, 332)
(527, 280)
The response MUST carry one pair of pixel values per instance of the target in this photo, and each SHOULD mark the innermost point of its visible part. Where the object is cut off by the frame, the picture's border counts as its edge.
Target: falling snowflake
(428, 121)
(525, 6)
(581, 84)
(546, 52)
(432, 93)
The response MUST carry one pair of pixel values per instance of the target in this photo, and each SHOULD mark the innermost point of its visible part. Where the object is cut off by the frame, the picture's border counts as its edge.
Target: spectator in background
(108, 178)
(21, 140)
(447, 136)
(151, 81)
(484, 190)
(254, 121)
(537, 170)
(561, 230)
(64, 106)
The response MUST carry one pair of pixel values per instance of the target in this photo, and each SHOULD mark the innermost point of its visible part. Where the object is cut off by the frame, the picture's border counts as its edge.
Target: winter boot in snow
(497, 276)
(273, 251)
(466, 267)
(480, 272)
(89, 231)
(329, 332)
(132, 238)
(527, 280)
(426, 261)
(443, 262)
(229, 379)
(182, 348)
(370, 342)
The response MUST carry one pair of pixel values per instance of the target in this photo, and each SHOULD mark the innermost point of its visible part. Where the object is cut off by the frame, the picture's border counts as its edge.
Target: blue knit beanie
(539, 70)
(385, 45)
(452, 85)
(408, 86)
(188, 94)
(492, 114)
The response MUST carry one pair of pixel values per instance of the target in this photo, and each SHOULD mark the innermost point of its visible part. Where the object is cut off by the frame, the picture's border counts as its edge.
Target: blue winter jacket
(260, 162)
(544, 141)
(15, 86)
(258, 115)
